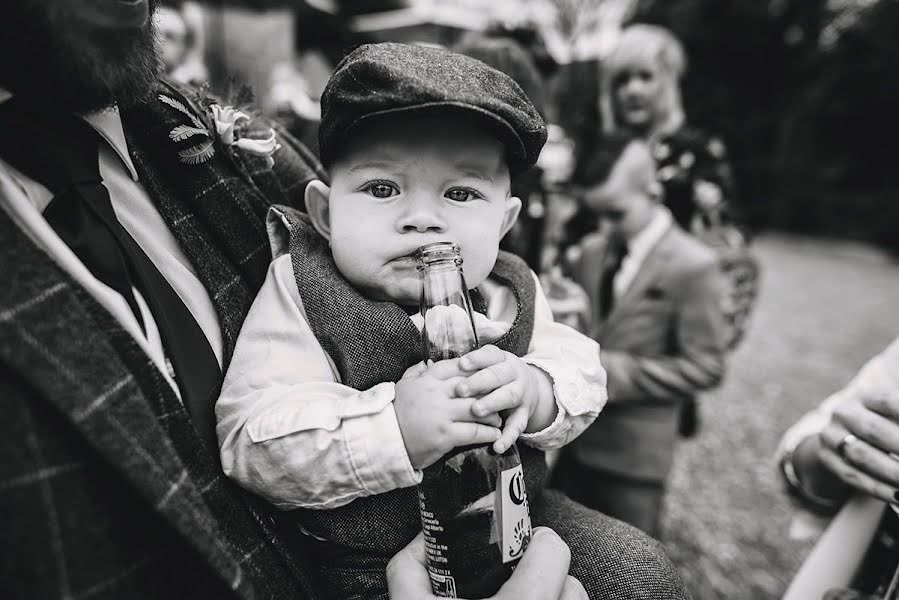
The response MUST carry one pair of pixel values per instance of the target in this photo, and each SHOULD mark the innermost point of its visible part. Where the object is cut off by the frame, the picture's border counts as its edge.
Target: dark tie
(618, 252)
(61, 152)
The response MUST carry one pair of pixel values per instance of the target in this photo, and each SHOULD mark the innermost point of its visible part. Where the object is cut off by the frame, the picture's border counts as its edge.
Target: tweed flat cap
(390, 78)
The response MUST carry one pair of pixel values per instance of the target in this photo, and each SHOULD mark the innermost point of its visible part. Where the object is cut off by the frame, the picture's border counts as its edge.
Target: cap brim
(517, 155)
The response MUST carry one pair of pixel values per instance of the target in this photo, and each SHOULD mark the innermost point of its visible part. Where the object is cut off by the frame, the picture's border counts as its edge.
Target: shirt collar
(649, 236)
(108, 123)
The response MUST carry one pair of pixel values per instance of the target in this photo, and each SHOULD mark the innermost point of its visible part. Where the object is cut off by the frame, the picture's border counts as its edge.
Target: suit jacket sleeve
(697, 359)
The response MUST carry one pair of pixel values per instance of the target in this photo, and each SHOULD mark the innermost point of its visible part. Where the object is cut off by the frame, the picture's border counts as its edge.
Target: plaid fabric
(105, 490)
(216, 209)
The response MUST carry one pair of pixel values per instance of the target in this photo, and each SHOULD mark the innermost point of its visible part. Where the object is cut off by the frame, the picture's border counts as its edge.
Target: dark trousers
(612, 560)
(633, 501)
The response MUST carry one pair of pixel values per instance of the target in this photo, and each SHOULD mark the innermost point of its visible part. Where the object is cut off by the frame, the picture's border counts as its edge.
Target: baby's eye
(461, 195)
(382, 190)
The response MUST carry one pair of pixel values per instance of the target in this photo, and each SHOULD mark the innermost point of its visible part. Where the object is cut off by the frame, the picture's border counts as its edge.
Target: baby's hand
(433, 419)
(506, 383)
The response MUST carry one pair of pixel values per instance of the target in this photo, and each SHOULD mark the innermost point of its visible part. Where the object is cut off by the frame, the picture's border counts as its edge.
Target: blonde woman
(640, 94)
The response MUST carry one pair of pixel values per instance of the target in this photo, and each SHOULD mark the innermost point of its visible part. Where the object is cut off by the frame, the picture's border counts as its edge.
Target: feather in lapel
(214, 210)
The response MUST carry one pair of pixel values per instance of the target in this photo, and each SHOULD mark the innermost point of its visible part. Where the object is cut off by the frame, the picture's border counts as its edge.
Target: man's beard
(49, 56)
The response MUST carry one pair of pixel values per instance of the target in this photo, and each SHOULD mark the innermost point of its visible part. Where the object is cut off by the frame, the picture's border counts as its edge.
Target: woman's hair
(658, 46)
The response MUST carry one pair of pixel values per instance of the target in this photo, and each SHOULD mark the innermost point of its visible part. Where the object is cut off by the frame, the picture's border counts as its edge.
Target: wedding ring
(844, 443)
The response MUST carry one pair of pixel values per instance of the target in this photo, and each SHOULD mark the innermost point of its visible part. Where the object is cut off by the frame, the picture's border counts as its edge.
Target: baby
(327, 407)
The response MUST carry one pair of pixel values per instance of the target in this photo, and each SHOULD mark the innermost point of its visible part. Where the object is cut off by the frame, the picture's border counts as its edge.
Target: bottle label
(442, 583)
(515, 517)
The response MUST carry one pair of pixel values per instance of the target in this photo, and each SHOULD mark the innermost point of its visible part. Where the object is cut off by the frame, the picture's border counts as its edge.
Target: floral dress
(696, 175)
(698, 183)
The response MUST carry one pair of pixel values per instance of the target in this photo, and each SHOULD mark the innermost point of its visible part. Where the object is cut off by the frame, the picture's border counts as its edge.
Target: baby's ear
(318, 207)
(513, 207)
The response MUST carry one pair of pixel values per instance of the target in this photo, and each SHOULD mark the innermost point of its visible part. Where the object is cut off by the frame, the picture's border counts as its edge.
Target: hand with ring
(860, 444)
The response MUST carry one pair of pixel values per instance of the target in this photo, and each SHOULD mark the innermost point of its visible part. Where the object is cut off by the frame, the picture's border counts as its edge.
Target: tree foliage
(806, 98)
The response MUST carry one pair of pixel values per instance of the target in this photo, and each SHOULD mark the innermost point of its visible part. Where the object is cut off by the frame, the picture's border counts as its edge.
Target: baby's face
(404, 182)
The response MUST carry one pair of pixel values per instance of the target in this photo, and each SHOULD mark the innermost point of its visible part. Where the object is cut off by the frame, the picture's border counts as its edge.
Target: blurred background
(805, 96)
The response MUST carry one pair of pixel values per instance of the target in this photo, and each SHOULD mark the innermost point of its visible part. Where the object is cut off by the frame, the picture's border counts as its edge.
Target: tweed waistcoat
(371, 342)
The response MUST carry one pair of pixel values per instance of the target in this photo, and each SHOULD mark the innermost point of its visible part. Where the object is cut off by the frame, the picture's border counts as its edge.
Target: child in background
(326, 407)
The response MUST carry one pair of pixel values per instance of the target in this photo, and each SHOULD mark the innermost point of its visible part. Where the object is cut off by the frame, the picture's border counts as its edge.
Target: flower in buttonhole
(260, 147)
(226, 119)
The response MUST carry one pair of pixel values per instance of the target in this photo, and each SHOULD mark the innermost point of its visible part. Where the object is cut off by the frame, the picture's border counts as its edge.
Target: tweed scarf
(352, 329)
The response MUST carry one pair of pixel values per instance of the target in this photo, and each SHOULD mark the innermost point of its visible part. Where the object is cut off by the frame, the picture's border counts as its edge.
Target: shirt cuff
(579, 398)
(378, 453)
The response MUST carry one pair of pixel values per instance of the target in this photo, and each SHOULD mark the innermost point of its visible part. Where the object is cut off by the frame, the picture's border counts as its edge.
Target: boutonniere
(231, 129)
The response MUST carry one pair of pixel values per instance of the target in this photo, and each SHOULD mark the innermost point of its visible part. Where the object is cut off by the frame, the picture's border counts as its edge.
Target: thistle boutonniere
(230, 127)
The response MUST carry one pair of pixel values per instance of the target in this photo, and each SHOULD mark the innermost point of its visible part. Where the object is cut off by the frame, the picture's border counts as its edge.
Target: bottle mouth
(437, 252)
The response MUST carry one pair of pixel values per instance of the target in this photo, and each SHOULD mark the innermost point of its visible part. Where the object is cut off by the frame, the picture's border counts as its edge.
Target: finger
(482, 358)
(871, 461)
(868, 426)
(446, 369)
(573, 590)
(543, 570)
(415, 370)
(515, 425)
(488, 379)
(506, 397)
(885, 404)
(464, 434)
(407, 575)
(856, 478)
(464, 413)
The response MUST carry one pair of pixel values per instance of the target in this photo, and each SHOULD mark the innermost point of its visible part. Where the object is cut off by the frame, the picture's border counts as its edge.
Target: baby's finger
(464, 413)
(445, 369)
(464, 434)
(481, 358)
(515, 425)
(488, 379)
(506, 397)
(415, 370)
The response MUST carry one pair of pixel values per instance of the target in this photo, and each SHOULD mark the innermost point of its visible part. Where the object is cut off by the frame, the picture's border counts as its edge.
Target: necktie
(61, 152)
(607, 280)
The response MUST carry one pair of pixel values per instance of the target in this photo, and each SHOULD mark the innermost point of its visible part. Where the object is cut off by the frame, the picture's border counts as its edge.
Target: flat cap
(389, 78)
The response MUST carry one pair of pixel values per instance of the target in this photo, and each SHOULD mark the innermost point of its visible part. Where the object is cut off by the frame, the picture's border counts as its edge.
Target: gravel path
(825, 307)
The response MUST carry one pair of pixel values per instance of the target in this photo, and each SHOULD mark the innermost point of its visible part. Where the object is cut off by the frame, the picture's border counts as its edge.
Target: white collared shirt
(639, 248)
(290, 431)
(25, 199)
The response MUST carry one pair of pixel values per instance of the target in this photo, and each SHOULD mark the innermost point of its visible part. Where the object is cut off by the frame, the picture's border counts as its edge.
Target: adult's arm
(542, 573)
(868, 408)
(698, 361)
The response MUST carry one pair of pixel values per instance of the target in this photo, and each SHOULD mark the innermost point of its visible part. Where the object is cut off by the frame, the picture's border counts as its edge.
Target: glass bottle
(474, 508)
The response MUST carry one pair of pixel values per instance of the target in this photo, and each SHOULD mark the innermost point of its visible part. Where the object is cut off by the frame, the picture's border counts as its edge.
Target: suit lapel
(588, 273)
(57, 337)
(650, 271)
(214, 209)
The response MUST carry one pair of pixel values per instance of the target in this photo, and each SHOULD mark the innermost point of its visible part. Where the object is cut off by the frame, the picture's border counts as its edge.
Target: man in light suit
(132, 244)
(655, 296)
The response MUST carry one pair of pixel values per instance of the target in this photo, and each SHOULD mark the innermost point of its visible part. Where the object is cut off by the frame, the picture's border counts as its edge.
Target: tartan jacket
(105, 489)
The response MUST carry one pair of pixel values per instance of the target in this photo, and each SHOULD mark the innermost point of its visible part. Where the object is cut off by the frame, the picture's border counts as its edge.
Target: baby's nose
(422, 216)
